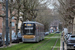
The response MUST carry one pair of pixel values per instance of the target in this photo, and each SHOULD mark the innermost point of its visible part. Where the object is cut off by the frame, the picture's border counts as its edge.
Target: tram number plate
(28, 28)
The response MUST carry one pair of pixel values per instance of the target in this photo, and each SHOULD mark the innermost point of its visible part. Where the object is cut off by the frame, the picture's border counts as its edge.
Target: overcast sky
(50, 3)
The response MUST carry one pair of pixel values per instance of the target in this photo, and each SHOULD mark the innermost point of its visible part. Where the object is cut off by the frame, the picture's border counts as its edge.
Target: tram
(32, 31)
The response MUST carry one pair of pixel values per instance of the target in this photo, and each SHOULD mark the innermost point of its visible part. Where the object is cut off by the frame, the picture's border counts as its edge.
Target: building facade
(2, 15)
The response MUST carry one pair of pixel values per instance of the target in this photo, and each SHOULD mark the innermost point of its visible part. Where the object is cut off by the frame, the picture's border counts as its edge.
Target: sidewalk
(61, 44)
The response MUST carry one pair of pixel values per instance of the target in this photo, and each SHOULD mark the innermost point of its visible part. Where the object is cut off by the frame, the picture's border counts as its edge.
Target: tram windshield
(29, 32)
(29, 29)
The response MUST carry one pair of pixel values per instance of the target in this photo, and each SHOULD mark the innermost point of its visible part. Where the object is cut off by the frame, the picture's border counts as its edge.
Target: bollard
(63, 45)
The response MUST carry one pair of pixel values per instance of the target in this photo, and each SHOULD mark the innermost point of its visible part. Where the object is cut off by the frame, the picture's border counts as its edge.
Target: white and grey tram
(32, 31)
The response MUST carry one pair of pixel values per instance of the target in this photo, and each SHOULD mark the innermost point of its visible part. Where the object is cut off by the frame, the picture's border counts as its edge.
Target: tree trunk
(72, 26)
(3, 31)
(21, 28)
(22, 23)
(17, 22)
(10, 31)
(10, 26)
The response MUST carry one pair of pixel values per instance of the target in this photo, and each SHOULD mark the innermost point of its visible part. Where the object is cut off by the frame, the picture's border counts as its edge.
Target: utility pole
(7, 28)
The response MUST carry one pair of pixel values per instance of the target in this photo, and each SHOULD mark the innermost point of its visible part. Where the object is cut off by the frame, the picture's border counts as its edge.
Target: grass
(50, 35)
(25, 46)
(57, 45)
(49, 45)
(34, 46)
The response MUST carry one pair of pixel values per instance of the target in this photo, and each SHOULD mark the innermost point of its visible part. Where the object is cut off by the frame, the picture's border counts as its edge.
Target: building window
(13, 24)
(2, 8)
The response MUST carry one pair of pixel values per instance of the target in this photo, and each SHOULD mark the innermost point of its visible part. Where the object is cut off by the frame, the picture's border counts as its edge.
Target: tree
(29, 9)
(11, 9)
(64, 10)
(3, 29)
(4, 26)
(17, 14)
(44, 17)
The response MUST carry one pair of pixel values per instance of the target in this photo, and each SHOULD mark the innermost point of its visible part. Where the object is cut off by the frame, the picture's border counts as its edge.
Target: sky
(50, 3)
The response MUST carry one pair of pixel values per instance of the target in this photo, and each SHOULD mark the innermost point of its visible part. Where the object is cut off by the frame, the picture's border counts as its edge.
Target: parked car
(0, 34)
(19, 35)
(57, 32)
(67, 36)
(71, 42)
(1, 41)
(46, 33)
(8, 39)
(15, 38)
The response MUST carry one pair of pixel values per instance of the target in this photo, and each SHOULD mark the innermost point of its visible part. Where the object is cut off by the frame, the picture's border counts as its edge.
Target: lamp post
(7, 29)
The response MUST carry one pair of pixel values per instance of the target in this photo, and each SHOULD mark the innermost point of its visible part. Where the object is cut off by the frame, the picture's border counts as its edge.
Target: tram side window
(38, 29)
(41, 29)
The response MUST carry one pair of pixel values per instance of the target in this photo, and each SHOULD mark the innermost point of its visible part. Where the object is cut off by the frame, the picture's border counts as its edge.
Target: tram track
(37, 48)
(47, 44)
(47, 41)
(27, 46)
(43, 45)
(23, 47)
(54, 44)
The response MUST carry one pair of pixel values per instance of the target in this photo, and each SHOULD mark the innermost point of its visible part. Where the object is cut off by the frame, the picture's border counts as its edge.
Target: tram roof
(32, 22)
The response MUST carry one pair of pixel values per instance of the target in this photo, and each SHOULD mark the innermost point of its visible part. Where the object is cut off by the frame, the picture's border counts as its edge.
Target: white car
(67, 36)
(46, 33)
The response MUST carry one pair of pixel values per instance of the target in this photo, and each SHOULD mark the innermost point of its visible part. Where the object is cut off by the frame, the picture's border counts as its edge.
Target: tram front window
(29, 32)
(29, 29)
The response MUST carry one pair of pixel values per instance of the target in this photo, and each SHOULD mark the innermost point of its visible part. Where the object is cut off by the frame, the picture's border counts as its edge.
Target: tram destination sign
(28, 25)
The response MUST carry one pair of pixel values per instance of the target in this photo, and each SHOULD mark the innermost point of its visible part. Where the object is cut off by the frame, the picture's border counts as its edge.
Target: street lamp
(7, 28)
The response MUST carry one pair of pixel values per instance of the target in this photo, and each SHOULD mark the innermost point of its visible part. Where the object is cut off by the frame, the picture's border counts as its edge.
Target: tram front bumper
(29, 40)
